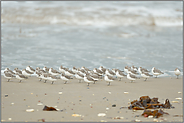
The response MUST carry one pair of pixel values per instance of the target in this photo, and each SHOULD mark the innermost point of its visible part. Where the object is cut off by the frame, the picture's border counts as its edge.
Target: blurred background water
(92, 33)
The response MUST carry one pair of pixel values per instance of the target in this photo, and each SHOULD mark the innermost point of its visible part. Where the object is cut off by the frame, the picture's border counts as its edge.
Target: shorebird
(131, 77)
(45, 76)
(54, 72)
(156, 72)
(109, 72)
(79, 76)
(146, 75)
(120, 74)
(20, 77)
(108, 78)
(52, 78)
(8, 75)
(69, 72)
(134, 68)
(98, 71)
(62, 69)
(9, 71)
(88, 79)
(65, 78)
(38, 74)
(126, 69)
(26, 73)
(16, 70)
(140, 69)
(46, 69)
(132, 71)
(84, 68)
(102, 69)
(95, 77)
(30, 69)
(74, 69)
(177, 72)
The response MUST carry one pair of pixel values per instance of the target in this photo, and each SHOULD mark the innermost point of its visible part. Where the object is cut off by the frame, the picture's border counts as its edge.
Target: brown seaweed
(146, 102)
(46, 108)
(155, 113)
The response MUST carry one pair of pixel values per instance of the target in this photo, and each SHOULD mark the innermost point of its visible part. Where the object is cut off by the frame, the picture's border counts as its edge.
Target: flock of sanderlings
(83, 73)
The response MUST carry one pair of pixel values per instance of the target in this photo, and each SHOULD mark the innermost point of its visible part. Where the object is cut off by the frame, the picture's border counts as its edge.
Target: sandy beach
(87, 101)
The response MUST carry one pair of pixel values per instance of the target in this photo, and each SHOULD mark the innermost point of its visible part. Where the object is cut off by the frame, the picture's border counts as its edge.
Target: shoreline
(87, 101)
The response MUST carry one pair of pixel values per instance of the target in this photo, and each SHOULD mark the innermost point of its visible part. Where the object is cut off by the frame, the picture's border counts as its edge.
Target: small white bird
(109, 72)
(30, 69)
(79, 76)
(132, 77)
(145, 75)
(26, 73)
(109, 79)
(120, 74)
(177, 72)
(156, 72)
(20, 77)
(88, 79)
(8, 75)
(65, 78)
(54, 72)
(52, 78)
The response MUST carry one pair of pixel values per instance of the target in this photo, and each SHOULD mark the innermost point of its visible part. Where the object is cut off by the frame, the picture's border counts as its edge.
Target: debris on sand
(76, 115)
(29, 110)
(101, 114)
(146, 102)
(46, 108)
(155, 113)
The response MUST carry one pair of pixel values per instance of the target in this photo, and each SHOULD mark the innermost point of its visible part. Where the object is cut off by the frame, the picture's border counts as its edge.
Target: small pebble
(107, 108)
(114, 105)
(6, 95)
(12, 103)
(109, 92)
(9, 118)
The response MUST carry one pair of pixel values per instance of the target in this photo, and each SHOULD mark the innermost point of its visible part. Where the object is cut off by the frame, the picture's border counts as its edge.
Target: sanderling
(74, 69)
(9, 71)
(30, 69)
(65, 78)
(156, 72)
(52, 78)
(134, 68)
(131, 77)
(140, 69)
(54, 72)
(8, 75)
(26, 73)
(16, 70)
(88, 79)
(120, 74)
(146, 75)
(126, 69)
(20, 77)
(109, 72)
(102, 69)
(177, 72)
(79, 76)
(69, 72)
(108, 78)
(46, 69)
(98, 71)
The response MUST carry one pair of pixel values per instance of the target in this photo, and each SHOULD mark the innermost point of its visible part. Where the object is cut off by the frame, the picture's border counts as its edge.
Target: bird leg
(177, 76)
(109, 84)
(94, 82)
(145, 79)
(52, 82)
(88, 84)
(20, 81)
(120, 79)
(8, 80)
(65, 82)
(40, 79)
(45, 81)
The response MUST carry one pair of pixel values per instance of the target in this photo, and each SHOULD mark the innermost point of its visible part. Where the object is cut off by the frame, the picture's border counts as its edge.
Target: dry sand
(78, 98)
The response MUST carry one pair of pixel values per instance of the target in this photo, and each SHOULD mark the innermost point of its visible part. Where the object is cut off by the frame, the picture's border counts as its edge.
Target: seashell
(9, 118)
(40, 104)
(109, 92)
(126, 92)
(60, 92)
(29, 110)
(151, 116)
(178, 98)
(175, 101)
(76, 115)
(101, 114)
(179, 92)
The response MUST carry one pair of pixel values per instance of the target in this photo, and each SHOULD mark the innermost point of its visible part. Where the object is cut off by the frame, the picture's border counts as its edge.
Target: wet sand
(78, 98)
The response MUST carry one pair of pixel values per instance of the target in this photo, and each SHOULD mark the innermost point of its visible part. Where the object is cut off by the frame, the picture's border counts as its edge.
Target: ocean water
(113, 34)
